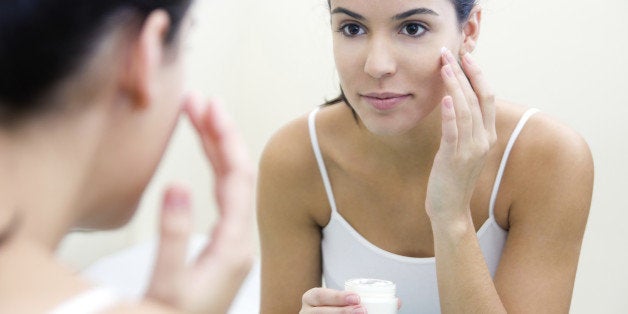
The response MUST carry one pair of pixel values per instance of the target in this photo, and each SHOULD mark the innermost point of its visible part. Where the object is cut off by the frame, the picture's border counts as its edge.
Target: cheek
(423, 70)
(348, 63)
(425, 62)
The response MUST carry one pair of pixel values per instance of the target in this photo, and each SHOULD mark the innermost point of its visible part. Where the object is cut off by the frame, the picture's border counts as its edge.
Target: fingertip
(448, 112)
(178, 186)
(443, 53)
(448, 104)
(175, 220)
(177, 196)
(192, 101)
(352, 299)
(192, 107)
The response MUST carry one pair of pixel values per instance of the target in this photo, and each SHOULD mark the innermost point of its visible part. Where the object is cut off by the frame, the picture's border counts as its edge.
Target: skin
(435, 157)
(116, 117)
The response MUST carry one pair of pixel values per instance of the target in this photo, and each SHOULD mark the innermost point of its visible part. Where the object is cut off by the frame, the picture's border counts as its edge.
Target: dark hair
(463, 9)
(45, 41)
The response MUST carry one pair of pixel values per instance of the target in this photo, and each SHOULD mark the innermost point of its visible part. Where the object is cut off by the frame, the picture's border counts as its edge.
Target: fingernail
(177, 198)
(448, 70)
(443, 50)
(448, 102)
(353, 299)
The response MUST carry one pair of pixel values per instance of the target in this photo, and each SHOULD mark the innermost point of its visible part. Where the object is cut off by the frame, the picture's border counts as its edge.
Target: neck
(42, 176)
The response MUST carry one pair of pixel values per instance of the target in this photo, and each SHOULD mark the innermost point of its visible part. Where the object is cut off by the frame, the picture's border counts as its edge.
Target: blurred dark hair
(463, 9)
(45, 41)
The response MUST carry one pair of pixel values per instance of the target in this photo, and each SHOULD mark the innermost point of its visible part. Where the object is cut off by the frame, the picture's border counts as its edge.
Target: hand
(209, 283)
(468, 133)
(329, 301)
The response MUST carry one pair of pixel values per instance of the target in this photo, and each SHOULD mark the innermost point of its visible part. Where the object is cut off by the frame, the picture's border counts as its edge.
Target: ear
(145, 57)
(471, 30)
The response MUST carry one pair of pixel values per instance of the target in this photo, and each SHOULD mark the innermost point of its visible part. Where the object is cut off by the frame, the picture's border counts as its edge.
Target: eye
(352, 30)
(413, 29)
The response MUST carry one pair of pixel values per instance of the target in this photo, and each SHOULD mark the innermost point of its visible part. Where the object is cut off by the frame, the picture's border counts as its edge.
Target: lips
(385, 101)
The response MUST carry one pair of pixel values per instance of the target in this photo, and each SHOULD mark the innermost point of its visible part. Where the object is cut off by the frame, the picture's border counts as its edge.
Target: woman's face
(387, 53)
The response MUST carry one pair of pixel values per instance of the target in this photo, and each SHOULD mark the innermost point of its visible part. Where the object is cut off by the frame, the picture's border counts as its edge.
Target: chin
(387, 130)
(391, 124)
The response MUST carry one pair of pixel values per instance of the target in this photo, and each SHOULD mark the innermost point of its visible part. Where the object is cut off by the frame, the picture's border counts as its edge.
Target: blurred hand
(210, 282)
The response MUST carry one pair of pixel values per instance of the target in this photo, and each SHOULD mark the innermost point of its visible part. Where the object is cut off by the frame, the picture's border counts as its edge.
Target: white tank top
(346, 254)
(92, 301)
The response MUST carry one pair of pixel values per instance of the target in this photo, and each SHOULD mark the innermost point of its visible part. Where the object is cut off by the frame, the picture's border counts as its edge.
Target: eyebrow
(349, 13)
(399, 16)
(412, 12)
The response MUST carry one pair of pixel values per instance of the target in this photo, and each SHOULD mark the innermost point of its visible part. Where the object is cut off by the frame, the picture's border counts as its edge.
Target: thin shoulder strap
(502, 165)
(319, 159)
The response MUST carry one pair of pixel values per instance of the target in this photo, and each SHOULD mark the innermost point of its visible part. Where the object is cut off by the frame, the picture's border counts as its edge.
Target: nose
(380, 61)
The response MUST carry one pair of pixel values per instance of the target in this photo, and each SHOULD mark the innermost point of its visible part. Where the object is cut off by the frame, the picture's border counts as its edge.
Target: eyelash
(343, 29)
(423, 30)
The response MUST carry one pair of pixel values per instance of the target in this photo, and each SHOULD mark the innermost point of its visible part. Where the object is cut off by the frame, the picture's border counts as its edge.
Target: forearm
(464, 282)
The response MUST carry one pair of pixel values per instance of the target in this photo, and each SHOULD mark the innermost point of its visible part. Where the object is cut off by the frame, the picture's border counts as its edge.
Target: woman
(417, 175)
(90, 93)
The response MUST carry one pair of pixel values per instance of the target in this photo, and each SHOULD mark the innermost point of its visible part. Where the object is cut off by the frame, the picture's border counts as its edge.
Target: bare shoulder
(292, 207)
(288, 158)
(549, 178)
(546, 143)
(289, 147)
(550, 166)
(289, 178)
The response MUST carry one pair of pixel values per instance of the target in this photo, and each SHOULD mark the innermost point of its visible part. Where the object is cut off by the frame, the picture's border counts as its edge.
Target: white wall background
(271, 61)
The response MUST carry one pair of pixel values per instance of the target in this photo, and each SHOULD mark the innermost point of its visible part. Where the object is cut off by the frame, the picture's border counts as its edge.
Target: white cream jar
(377, 296)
